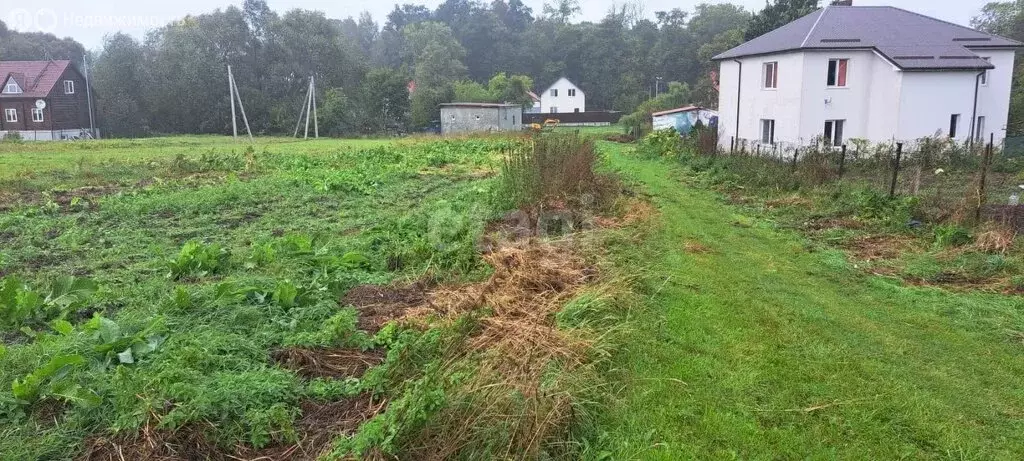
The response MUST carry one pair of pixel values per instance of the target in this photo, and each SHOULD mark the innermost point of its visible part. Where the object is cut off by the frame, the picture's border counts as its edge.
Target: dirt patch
(49, 412)
(696, 247)
(879, 247)
(318, 426)
(636, 210)
(87, 193)
(822, 224)
(621, 138)
(379, 305)
(328, 363)
(794, 201)
(1007, 215)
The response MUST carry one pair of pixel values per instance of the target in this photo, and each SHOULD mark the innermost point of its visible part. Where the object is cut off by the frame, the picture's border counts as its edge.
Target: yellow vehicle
(552, 123)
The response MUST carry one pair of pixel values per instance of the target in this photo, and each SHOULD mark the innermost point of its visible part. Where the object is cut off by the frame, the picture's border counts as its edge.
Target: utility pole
(309, 106)
(316, 118)
(231, 95)
(88, 97)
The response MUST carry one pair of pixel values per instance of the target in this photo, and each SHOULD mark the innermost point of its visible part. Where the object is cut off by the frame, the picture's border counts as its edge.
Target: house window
(12, 87)
(834, 132)
(984, 75)
(837, 72)
(11, 115)
(572, 93)
(954, 121)
(770, 75)
(767, 131)
(37, 115)
(980, 130)
(577, 110)
(69, 87)
(554, 92)
(554, 110)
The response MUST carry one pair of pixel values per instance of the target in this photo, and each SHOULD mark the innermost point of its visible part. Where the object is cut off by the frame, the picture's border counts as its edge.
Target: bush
(951, 235)
(12, 136)
(197, 259)
(662, 144)
(556, 167)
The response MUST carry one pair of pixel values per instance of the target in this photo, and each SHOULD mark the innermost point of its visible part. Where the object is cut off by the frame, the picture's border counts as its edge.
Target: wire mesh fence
(950, 181)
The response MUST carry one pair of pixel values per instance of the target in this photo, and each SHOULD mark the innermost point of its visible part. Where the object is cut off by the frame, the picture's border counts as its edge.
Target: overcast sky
(89, 20)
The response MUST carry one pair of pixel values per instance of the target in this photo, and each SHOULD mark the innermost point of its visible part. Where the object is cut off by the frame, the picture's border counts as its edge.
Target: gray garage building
(472, 117)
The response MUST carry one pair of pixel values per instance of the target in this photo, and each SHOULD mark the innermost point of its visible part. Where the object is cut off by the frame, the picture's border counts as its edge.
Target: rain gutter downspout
(739, 93)
(974, 112)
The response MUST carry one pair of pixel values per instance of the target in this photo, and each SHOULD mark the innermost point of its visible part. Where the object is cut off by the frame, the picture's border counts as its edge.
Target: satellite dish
(40, 104)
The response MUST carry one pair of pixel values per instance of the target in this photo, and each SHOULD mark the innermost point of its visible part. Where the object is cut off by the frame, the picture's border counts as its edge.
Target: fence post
(796, 155)
(732, 145)
(896, 170)
(842, 161)
(985, 164)
(758, 150)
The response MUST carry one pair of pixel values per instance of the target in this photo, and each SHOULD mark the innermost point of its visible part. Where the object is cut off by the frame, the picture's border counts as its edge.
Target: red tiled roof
(36, 78)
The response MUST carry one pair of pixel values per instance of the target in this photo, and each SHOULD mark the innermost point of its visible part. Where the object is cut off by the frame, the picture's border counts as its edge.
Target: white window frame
(954, 125)
(38, 116)
(554, 92)
(774, 66)
(572, 92)
(69, 87)
(979, 129)
(829, 66)
(12, 87)
(767, 127)
(984, 75)
(11, 115)
(835, 135)
(554, 110)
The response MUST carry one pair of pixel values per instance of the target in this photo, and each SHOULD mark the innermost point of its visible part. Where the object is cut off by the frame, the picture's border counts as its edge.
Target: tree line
(174, 79)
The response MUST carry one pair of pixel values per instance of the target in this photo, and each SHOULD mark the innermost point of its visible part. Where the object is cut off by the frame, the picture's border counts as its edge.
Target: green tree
(1007, 19)
(778, 14)
(119, 75)
(438, 65)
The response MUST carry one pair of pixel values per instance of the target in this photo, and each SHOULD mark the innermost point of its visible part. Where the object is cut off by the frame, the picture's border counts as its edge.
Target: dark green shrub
(951, 235)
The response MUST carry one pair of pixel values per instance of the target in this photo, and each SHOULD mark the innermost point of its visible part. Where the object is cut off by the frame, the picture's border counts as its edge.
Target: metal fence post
(732, 145)
(842, 161)
(796, 156)
(896, 170)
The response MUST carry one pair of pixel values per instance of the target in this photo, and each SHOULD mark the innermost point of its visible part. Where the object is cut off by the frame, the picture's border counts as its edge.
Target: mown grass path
(760, 348)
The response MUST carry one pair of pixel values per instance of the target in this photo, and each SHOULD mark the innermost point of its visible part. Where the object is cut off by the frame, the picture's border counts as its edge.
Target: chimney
(842, 2)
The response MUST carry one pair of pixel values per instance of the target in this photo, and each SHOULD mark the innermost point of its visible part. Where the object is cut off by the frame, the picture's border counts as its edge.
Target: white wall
(880, 102)
(994, 97)
(928, 99)
(563, 102)
(867, 104)
(781, 104)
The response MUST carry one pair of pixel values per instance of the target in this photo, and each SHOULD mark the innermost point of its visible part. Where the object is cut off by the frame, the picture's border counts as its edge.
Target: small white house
(563, 97)
(873, 72)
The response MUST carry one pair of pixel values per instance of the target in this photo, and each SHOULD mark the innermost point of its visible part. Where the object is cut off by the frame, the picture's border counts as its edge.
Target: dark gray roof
(910, 40)
(477, 104)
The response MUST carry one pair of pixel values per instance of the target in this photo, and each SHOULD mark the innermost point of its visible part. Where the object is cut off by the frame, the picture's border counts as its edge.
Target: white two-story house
(563, 97)
(879, 73)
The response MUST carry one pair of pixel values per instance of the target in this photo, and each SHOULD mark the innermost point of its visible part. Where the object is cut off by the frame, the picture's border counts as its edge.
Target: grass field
(189, 298)
(754, 347)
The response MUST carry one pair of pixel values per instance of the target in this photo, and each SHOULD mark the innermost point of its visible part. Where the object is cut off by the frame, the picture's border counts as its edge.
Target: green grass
(207, 266)
(33, 158)
(762, 349)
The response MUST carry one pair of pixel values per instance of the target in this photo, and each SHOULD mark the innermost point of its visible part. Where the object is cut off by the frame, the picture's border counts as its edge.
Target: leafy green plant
(50, 380)
(951, 235)
(23, 307)
(198, 260)
(114, 344)
(661, 144)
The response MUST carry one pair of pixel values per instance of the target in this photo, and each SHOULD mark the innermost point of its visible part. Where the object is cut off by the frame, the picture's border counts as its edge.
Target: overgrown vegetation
(283, 303)
(923, 232)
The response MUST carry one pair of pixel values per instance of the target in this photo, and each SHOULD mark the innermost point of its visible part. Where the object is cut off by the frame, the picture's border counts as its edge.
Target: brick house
(61, 88)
